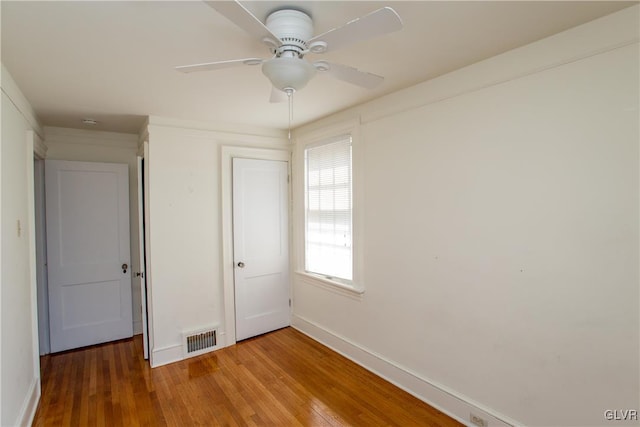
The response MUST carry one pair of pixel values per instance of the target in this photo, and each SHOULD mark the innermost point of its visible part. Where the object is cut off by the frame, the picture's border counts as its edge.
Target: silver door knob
(241, 264)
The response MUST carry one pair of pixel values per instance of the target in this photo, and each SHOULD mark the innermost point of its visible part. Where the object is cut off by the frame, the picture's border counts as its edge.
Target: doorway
(260, 246)
(246, 280)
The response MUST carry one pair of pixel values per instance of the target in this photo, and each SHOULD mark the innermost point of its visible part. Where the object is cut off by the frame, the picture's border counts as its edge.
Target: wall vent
(198, 342)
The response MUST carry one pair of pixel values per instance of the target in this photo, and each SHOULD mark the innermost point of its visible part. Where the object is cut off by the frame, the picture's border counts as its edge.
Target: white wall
(185, 208)
(501, 234)
(109, 147)
(19, 373)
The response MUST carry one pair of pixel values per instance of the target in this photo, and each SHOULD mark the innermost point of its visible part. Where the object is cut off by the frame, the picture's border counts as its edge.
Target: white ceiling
(113, 61)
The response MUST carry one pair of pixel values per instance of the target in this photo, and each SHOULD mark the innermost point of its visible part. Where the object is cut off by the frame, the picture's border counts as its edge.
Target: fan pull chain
(290, 96)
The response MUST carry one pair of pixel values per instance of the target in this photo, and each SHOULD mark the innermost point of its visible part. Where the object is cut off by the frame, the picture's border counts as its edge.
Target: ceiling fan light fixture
(288, 74)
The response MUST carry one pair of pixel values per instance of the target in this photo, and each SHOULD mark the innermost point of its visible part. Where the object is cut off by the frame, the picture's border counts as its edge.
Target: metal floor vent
(199, 342)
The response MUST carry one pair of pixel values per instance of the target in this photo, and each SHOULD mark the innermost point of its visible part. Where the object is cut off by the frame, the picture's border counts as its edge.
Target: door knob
(124, 268)
(241, 264)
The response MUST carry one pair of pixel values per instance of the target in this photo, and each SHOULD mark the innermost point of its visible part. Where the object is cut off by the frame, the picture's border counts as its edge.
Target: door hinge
(288, 179)
(289, 302)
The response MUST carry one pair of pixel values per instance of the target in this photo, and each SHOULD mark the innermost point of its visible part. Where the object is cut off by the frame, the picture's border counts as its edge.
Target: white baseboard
(166, 355)
(174, 353)
(451, 403)
(28, 411)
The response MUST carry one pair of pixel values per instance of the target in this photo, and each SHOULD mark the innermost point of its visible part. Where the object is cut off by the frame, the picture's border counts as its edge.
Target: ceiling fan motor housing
(293, 27)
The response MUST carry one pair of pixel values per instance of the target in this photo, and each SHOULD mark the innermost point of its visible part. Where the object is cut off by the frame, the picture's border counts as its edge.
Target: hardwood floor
(279, 379)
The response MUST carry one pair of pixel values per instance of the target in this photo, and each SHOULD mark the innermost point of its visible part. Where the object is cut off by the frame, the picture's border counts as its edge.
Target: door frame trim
(228, 335)
(141, 275)
(41, 256)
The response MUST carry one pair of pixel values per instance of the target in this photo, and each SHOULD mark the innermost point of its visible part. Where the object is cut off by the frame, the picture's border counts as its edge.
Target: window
(328, 209)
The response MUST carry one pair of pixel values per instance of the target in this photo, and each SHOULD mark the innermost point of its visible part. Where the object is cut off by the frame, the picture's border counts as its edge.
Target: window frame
(316, 137)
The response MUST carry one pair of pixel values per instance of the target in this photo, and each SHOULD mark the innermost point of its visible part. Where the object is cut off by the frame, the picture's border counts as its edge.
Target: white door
(87, 211)
(261, 246)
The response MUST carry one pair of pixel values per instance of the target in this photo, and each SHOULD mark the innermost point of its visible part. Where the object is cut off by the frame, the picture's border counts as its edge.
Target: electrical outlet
(478, 421)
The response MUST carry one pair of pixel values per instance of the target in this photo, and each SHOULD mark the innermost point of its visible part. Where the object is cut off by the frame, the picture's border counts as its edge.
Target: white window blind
(328, 227)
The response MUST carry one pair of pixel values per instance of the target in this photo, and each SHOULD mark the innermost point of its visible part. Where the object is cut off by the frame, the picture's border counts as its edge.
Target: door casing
(141, 274)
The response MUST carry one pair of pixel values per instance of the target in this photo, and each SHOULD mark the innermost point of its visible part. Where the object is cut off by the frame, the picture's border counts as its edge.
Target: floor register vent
(199, 342)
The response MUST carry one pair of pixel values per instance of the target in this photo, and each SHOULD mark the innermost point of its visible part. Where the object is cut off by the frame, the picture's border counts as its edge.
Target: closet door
(88, 263)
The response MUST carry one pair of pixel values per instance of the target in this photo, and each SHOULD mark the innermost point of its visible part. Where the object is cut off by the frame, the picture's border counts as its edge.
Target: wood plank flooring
(282, 378)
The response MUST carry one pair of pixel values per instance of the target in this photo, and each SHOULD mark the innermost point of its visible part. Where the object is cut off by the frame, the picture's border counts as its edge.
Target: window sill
(331, 285)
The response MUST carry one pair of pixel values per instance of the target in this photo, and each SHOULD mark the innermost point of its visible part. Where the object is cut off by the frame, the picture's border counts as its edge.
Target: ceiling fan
(288, 33)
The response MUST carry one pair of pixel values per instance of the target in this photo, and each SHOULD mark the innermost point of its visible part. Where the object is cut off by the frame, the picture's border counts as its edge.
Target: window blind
(328, 228)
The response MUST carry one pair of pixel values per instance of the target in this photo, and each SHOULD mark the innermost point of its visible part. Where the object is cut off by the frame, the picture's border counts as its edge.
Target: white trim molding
(218, 137)
(15, 95)
(39, 147)
(230, 130)
(30, 404)
(91, 137)
(165, 355)
(330, 285)
(143, 137)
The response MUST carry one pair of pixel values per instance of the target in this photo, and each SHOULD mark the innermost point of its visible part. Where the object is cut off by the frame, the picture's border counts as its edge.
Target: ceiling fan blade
(349, 74)
(277, 96)
(376, 23)
(239, 15)
(208, 66)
